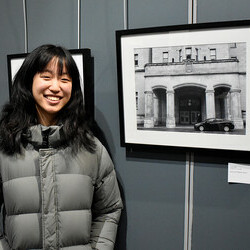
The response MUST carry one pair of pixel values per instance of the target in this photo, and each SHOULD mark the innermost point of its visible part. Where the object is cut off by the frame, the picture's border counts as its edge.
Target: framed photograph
(84, 62)
(185, 86)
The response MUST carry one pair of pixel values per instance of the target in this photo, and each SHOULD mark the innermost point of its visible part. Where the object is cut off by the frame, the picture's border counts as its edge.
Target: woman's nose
(55, 85)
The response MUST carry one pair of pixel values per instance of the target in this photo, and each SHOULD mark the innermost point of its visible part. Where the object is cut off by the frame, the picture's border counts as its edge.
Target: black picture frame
(154, 75)
(85, 64)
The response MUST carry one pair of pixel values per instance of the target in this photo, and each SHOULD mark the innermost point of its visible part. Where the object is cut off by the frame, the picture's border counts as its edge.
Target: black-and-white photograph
(185, 86)
(191, 88)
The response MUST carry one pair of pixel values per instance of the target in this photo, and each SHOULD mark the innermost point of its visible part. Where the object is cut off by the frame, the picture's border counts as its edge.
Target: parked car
(214, 124)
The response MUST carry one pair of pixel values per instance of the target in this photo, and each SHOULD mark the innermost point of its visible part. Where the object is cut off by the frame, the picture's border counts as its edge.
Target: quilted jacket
(54, 199)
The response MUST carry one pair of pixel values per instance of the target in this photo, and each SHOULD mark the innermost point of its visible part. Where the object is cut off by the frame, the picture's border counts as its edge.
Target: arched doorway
(189, 105)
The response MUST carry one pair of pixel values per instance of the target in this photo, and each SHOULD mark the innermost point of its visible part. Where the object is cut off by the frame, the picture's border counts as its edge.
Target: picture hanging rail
(185, 86)
(84, 62)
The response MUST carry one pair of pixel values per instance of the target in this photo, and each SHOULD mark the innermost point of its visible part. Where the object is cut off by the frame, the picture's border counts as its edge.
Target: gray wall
(153, 185)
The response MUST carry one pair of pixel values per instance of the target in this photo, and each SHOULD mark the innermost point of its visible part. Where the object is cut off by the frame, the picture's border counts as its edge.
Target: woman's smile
(53, 99)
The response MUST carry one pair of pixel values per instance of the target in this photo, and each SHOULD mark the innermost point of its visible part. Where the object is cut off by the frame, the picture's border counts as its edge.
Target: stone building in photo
(177, 85)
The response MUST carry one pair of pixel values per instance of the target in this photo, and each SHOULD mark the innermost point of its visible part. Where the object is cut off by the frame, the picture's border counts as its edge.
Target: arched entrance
(189, 105)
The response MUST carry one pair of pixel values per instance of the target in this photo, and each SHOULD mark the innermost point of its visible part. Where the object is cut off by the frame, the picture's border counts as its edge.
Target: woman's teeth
(53, 98)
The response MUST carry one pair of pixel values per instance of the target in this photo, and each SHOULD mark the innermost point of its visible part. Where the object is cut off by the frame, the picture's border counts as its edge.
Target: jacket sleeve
(107, 205)
(3, 243)
(1, 210)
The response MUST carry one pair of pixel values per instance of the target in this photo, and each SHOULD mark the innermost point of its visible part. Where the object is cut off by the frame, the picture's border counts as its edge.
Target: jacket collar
(46, 137)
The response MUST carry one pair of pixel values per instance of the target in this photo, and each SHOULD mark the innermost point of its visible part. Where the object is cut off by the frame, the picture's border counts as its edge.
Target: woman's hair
(20, 112)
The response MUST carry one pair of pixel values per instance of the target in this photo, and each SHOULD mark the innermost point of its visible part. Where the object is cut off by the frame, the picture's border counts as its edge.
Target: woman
(58, 183)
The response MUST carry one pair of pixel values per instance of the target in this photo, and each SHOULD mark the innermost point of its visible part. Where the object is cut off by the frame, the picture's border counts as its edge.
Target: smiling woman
(58, 181)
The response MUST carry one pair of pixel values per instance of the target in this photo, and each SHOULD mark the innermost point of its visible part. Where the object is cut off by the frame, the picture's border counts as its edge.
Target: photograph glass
(185, 86)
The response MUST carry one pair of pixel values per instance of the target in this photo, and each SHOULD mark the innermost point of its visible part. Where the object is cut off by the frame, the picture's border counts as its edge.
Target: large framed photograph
(185, 86)
(84, 62)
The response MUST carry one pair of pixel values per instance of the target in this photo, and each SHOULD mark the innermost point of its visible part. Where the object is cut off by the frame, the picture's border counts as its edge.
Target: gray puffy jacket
(54, 199)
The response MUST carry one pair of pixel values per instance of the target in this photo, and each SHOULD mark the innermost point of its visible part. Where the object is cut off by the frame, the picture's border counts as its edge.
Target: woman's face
(51, 92)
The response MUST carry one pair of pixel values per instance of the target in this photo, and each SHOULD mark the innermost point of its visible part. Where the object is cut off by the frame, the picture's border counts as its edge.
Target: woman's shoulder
(100, 149)
(98, 145)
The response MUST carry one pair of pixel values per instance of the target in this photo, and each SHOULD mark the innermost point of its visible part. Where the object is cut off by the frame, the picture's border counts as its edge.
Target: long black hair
(20, 112)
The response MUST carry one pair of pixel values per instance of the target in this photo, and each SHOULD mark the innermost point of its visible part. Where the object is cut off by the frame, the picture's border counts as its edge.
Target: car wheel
(201, 128)
(226, 128)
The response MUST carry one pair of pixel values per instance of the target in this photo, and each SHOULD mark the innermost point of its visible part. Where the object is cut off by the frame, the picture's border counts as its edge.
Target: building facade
(179, 85)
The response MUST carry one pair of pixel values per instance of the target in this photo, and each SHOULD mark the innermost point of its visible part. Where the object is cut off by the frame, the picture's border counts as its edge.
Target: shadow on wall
(121, 242)
(100, 134)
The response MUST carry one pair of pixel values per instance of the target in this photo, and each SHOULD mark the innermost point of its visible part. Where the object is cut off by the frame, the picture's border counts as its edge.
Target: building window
(188, 53)
(136, 60)
(136, 99)
(213, 54)
(233, 45)
(165, 56)
(180, 55)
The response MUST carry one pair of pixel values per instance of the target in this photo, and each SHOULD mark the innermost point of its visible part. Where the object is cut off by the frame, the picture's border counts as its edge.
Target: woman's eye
(65, 80)
(45, 77)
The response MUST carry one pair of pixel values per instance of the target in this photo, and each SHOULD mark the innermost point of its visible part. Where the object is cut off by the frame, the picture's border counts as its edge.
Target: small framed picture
(185, 86)
(84, 62)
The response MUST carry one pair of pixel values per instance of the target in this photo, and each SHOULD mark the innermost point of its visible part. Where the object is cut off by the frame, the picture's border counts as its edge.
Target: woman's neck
(45, 119)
